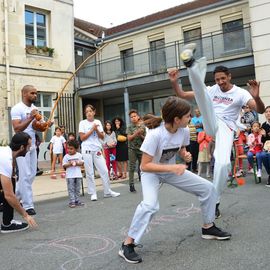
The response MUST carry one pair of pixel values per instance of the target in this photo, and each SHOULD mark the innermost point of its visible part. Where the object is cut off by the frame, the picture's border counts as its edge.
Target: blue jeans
(266, 161)
(259, 157)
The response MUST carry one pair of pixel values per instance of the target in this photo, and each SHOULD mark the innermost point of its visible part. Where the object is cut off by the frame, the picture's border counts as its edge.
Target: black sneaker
(14, 226)
(132, 188)
(218, 214)
(187, 54)
(39, 172)
(31, 212)
(268, 182)
(215, 233)
(128, 253)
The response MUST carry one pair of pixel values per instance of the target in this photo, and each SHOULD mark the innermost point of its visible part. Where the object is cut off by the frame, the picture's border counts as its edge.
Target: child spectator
(72, 163)
(247, 118)
(193, 147)
(91, 133)
(254, 142)
(71, 136)
(109, 147)
(56, 148)
(203, 158)
(136, 133)
(240, 142)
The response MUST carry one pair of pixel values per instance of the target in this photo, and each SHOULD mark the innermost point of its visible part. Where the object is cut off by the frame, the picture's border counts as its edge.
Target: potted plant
(39, 50)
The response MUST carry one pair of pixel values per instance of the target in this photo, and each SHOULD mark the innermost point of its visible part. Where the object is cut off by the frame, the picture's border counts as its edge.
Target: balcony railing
(215, 47)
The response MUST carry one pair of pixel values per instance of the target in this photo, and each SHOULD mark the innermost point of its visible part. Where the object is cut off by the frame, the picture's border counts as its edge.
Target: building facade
(36, 48)
(131, 71)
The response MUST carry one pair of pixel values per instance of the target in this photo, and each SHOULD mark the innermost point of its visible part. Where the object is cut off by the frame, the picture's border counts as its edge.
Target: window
(127, 60)
(158, 56)
(35, 29)
(194, 36)
(233, 35)
(44, 104)
(89, 69)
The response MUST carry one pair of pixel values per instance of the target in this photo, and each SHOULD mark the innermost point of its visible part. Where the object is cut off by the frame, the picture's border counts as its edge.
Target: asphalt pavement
(89, 237)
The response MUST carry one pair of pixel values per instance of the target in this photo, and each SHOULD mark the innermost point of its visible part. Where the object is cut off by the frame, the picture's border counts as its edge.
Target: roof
(164, 14)
(91, 28)
(191, 6)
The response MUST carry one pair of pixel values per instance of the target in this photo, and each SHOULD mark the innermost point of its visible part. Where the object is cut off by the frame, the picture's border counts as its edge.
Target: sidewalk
(45, 188)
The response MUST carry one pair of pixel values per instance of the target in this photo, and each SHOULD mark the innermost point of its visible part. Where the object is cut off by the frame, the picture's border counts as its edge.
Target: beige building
(131, 70)
(37, 48)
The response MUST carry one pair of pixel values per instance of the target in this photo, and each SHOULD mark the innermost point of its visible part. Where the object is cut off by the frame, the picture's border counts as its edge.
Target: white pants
(96, 158)
(27, 171)
(213, 126)
(188, 182)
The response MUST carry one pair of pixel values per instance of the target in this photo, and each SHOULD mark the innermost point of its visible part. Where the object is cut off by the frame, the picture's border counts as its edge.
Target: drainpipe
(7, 69)
(126, 103)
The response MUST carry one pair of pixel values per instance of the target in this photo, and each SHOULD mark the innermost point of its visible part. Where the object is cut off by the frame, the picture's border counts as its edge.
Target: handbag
(121, 138)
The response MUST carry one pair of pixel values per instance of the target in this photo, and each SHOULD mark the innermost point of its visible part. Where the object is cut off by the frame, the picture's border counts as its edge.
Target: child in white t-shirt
(72, 162)
(91, 133)
(56, 148)
(161, 144)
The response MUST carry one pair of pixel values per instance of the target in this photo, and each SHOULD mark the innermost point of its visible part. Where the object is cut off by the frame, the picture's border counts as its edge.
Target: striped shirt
(192, 132)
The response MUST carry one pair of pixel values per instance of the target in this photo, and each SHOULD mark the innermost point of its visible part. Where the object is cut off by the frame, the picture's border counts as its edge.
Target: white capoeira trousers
(27, 167)
(95, 158)
(188, 182)
(213, 125)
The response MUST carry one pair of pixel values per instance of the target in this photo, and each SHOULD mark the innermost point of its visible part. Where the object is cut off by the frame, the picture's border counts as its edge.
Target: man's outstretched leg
(197, 71)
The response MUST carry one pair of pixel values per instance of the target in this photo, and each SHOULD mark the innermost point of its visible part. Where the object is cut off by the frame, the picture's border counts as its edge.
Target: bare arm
(173, 76)
(256, 103)
(13, 201)
(148, 165)
(19, 125)
(185, 155)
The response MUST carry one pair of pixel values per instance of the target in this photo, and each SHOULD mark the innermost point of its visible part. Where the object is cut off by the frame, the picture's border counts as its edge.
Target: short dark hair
(267, 107)
(72, 134)
(133, 111)
(73, 143)
(221, 69)
(19, 139)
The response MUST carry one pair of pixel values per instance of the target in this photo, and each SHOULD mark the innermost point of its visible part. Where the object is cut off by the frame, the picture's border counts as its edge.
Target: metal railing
(214, 46)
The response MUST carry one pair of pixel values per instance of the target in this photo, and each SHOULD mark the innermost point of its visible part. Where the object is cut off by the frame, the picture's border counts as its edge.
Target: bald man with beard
(22, 115)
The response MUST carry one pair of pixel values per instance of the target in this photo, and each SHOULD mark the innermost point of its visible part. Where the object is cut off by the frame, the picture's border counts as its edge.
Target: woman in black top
(119, 128)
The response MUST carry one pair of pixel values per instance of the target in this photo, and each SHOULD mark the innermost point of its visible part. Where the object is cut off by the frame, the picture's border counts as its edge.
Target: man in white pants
(220, 106)
(22, 115)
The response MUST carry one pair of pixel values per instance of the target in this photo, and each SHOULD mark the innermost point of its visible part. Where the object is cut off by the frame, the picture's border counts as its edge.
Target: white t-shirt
(74, 171)
(227, 105)
(92, 143)
(21, 112)
(58, 144)
(163, 145)
(6, 161)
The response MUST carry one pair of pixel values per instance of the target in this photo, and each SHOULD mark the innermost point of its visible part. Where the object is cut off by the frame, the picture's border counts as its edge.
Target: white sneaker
(188, 53)
(259, 173)
(112, 194)
(94, 197)
(240, 173)
(250, 171)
